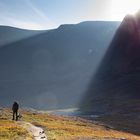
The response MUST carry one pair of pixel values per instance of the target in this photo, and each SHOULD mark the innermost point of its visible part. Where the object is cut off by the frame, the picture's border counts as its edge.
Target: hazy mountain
(116, 85)
(52, 69)
(11, 34)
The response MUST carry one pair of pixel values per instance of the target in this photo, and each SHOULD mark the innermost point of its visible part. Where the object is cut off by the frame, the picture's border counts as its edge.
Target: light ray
(49, 24)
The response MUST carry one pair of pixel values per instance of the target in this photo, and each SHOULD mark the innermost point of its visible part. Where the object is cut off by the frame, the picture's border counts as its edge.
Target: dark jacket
(15, 106)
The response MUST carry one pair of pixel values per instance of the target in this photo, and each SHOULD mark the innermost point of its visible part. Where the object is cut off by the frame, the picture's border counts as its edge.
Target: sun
(120, 8)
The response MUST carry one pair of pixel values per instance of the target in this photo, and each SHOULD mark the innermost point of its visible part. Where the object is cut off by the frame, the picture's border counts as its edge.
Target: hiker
(15, 108)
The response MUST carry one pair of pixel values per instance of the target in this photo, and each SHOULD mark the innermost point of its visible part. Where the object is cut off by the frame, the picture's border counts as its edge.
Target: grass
(9, 130)
(73, 128)
(58, 128)
(122, 122)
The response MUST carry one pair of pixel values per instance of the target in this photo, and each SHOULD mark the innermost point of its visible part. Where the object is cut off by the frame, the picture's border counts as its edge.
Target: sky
(48, 14)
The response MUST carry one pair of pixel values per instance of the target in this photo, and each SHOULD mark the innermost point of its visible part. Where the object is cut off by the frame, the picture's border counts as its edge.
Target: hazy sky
(45, 14)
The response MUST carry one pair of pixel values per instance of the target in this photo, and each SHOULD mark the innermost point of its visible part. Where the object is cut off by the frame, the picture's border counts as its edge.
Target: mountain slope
(52, 69)
(115, 86)
(11, 34)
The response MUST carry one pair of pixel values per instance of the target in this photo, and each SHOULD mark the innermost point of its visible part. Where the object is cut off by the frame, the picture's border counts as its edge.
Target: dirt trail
(36, 132)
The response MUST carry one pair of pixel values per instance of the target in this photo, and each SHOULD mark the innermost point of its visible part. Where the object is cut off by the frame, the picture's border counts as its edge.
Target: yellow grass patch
(58, 128)
(72, 128)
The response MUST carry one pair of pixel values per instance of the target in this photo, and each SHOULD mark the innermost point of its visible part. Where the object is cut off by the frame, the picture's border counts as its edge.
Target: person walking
(15, 108)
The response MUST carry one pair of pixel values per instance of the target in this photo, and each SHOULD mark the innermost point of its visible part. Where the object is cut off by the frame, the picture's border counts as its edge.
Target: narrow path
(36, 132)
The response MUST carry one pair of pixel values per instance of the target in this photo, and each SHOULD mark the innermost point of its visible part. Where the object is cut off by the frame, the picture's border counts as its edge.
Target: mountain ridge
(49, 67)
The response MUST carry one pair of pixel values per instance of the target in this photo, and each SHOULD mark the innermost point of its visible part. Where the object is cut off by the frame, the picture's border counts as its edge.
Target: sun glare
(120, 8)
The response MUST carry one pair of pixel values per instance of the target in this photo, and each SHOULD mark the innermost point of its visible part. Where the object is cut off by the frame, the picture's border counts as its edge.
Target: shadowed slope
(9, 35)
(115, 88)
(51, 70)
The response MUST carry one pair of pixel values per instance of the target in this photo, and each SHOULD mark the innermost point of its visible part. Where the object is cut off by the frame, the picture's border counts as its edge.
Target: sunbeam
(48, 24)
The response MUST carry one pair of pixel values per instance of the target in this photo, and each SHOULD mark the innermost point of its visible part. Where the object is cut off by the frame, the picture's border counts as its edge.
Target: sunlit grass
(57, 128)
(10, 130)
(69, 128)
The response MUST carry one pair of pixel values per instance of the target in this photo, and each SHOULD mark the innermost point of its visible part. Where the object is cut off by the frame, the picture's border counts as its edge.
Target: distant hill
(52, 69)
(115, 87)
(11, 34)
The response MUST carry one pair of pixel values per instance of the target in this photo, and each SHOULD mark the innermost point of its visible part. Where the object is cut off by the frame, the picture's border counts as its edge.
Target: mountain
(115, 87)
(52, 69)
(11, 34)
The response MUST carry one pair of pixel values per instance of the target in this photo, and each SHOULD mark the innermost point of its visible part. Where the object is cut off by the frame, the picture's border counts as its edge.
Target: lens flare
(119, 8)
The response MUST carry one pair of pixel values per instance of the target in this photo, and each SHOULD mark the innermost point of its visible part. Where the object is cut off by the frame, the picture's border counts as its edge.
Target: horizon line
(35, 29)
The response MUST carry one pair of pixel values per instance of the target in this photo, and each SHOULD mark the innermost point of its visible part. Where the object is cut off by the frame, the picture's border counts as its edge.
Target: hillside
(118, 74)
(114, 89)
(57, 127)
(11, 34)
(52, 69)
